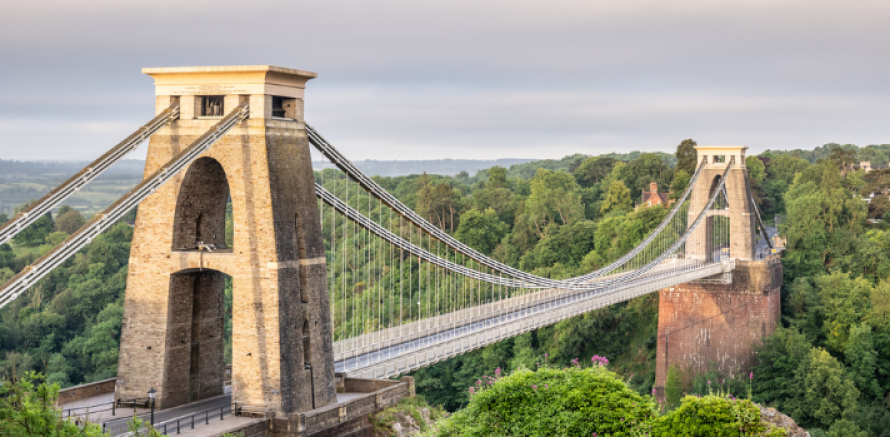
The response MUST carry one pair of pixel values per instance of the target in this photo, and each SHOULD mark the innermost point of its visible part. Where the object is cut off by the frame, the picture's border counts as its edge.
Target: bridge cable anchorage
(377, 191)
(19, 283)
(367, 350)
(52, 199)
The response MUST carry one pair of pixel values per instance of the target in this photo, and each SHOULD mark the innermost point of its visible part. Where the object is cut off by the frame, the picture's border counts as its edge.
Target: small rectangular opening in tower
(283, 107)
(720, 159)
(211, 106)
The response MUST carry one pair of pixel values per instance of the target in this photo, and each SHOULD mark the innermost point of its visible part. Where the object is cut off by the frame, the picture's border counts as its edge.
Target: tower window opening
(306, 351)
(283, 107)
(211, 106)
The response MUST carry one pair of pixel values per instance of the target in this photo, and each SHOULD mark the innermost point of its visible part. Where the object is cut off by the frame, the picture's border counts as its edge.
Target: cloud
(443, 79)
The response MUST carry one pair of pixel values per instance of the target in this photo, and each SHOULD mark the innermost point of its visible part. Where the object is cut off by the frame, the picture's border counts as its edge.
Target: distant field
(21, 181)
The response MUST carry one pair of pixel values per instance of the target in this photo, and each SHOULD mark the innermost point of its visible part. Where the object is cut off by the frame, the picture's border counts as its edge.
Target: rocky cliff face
(773, 417)
(410, 417)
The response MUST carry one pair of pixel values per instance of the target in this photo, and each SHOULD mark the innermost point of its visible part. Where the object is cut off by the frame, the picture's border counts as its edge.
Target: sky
(465, 79)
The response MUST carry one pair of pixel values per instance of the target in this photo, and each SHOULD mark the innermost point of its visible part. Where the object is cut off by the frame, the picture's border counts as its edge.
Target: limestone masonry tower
(741, 219)
(715, 323)
(172, 334)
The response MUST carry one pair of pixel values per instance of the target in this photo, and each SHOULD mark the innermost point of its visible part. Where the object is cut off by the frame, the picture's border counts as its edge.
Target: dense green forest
(828, 366)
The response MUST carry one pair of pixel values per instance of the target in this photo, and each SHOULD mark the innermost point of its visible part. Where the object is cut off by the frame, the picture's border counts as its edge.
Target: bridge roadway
(117, 424)
(401, 357)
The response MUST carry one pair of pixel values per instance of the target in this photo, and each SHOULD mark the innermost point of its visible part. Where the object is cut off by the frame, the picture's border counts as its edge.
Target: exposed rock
(401, 423)
(773, 417)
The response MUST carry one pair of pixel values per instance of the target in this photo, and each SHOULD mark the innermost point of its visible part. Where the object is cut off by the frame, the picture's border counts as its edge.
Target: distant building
(653, 197)
(866, 165)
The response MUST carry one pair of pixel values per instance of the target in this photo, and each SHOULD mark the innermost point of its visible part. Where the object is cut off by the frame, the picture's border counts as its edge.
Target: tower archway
(201, 207)
(199, 328)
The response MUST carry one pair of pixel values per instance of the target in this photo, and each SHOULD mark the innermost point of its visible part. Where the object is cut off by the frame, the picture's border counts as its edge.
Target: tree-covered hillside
(827, 366)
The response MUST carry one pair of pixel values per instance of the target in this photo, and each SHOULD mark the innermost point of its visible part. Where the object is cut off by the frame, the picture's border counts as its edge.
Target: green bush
(28, 409)
(594, 402)
(713, 416)
(551, 402)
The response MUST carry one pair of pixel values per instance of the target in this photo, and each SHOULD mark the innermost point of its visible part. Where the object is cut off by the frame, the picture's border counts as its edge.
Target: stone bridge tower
(173, 335)
(715, 323)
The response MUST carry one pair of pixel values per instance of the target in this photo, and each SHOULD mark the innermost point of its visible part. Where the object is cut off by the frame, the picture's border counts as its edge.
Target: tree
(756, 169)
(680, 183)
(69, 221)
(481, 230)
(687, 157)
(497, 177)
(878, 207)
(35, 234)
(647, 168)
(6, 255)
(784, 167)
(846, 302)
(780, 357)
(55, 238)
(27, 409)
(555, 200)
(861, 357)
(844, 158)
(496, 194)
(846, 428)
(823, 392)
(822, 224)
(438, 203)
(565, 248)
(594, 170)
(673, 388)
(617, 198)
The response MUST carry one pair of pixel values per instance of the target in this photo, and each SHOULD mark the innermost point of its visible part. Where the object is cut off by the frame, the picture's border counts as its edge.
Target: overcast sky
(465, 79)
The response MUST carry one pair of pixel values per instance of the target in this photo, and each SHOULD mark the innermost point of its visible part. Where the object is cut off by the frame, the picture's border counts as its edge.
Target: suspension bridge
(333, 274)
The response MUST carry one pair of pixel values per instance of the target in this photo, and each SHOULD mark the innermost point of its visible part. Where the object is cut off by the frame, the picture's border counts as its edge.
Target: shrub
(572, 401)
(593, 402)
(713, 416)
(28, 409)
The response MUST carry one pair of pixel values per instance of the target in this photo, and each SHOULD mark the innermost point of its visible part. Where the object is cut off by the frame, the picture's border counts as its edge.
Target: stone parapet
(83, 391)
(343, 419)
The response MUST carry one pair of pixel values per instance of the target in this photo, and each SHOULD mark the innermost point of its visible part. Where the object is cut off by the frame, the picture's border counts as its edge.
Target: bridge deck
(408, 353)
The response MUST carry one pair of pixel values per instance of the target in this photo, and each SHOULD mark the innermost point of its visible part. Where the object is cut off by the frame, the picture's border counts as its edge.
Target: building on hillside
(866, 165)
(653, 197)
